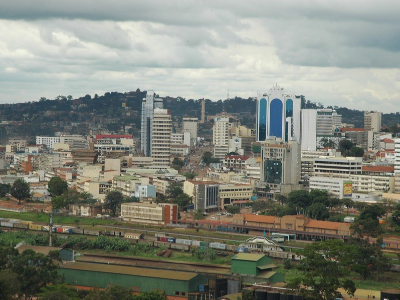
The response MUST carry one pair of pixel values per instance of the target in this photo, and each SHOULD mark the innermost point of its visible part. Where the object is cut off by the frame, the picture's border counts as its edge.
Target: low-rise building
(234, 193)
(340, 187)
(157, 214)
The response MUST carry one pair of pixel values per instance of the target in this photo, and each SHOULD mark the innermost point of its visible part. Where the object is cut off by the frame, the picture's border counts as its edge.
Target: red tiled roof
(325, 224)
(261, 219)
(387, 141)
(388, 169)
(351, 129)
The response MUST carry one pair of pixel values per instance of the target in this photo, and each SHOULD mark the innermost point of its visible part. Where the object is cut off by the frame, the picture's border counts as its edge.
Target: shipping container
(133, 235)
(242, 250)
(45, 228)
(171, 240)
(162, 245)
(183, 241)
(217, 246)
(25, 222)
(7, 224)
(35, 227)
(14, 221)
(20, 225)
(159, 235)
(91, 232)
(180, 247)
(196, 243)
(77, 230)
(67, 230)
(59, 229)
(162, 239)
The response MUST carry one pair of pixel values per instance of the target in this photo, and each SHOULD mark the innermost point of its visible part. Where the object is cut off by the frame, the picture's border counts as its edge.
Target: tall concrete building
(161, 137)
(191, 125)
(203, 111)
(278, 114)
(372, 121)
(327, 121)
(308, 129)
(221, 136)
(148, 105)
(397, 166)
(281, 165)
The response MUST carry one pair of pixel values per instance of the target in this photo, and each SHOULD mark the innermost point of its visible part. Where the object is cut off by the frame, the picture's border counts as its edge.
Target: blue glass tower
(278, 115)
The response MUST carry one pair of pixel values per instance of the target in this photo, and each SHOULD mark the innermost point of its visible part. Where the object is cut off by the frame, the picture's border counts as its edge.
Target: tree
(345, 145)
(232, 209)
(299, 199)
(318, 211)
(58, 202)
(357, 151)
(322, 271)
(395, 218)
(348, 202)
(4, 189)
(183, 200)
(20, 190)
(34, 271)
(57, 186)
(9, 285)
(113, 201)
(57, 292)
(189, 175)
(198, 215)
(131, 199)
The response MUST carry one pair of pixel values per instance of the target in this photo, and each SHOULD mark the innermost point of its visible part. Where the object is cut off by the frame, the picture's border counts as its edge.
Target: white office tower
(372, 121)
(308, 129)
(327, 121)
(148, 105)
(221, 137)
(161, 137)
(397, 166)
(278, 115)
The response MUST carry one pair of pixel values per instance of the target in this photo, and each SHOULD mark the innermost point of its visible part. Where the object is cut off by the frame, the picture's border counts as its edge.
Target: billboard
(347, 189)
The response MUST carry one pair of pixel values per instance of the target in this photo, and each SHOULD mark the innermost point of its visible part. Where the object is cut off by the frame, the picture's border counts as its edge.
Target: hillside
(114, 110)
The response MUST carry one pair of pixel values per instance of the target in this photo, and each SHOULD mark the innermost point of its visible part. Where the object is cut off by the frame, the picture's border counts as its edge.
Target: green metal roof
(264, 267)
(176, 275)
(267, 274)
(248, 256)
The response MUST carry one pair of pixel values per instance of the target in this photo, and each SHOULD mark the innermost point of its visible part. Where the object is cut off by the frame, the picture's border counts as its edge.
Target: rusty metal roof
(93, 267)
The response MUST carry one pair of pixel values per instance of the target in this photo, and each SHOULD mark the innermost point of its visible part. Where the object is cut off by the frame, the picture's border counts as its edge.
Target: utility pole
(51, 229)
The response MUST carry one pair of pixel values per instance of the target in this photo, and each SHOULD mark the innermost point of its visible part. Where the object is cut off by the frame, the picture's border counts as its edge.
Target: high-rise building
(280, 164)
(278, 114)
(161, 137)
(191, 125)
(148, 105)
(309, 129)
(397, 166)
(372, 121)
(327, 121)
(203, 111)
(221, 136)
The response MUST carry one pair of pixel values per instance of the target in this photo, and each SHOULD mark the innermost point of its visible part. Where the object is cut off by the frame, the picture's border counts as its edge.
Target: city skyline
(341, 53)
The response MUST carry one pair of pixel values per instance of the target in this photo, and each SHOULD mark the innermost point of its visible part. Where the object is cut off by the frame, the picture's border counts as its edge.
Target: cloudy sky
(344, 53)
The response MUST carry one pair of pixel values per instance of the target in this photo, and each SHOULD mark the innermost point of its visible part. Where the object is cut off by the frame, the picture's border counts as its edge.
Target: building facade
(221, 136)
(148, 105)
(278, 114)
(161, 137)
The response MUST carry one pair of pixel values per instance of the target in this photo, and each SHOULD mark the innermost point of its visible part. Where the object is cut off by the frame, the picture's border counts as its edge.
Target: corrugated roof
(325, 224)
(257, 218)
(264, 267)
(266, 274)
(248, 256)
(176, 275)
(389, 169)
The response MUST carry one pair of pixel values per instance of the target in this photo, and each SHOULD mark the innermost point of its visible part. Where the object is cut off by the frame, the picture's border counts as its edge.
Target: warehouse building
(175, 284)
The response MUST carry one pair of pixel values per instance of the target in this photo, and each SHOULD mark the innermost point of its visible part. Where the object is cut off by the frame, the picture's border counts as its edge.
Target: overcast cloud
(344, 53)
